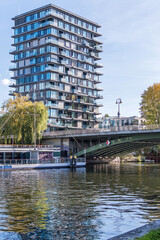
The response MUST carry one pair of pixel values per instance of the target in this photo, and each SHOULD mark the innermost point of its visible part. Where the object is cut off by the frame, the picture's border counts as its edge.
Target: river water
(97, 202)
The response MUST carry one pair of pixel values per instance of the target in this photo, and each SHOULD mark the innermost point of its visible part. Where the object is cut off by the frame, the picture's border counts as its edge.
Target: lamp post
(118, 101)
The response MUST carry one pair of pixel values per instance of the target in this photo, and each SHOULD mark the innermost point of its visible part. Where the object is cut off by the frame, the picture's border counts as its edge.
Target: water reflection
(94, 203)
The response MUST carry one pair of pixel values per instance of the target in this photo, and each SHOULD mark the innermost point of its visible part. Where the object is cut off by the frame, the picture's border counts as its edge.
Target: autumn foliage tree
(150, 104)
(18, 121)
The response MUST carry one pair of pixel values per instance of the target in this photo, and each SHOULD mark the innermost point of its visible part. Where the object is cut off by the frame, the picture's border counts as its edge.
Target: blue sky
(131, 37)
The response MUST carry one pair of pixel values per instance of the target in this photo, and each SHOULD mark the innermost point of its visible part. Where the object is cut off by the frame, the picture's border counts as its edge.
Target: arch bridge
(107, 143)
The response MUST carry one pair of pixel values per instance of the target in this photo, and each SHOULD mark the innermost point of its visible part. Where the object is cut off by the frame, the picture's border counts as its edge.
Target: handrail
(6, 162)
(103, 130)
(28, 146)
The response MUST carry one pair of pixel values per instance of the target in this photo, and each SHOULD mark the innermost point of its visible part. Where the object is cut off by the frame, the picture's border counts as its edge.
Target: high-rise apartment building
(56, 55)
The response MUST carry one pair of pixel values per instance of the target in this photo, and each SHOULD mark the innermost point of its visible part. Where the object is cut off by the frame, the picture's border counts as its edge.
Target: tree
(18, 122)
(106, 115)
(150, 104)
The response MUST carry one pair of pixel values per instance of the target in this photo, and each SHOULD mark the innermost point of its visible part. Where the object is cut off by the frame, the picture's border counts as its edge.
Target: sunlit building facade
(55, 60)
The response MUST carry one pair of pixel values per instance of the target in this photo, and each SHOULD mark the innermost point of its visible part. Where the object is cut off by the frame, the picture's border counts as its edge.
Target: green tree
(150, 104)
(18, 122)
(106, 115)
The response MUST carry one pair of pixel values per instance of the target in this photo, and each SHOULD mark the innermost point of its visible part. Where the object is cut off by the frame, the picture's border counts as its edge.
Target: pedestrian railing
(35, 161)
(107, 129)
(29, 146)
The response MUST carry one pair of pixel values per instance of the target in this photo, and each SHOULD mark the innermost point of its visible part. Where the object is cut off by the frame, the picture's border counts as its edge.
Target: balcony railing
(97, 72)
(98, 64)
(51, 41)
(99, 48)
(70, 73)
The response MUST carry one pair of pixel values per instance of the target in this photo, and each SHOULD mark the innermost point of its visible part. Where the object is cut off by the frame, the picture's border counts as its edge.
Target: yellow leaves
(150, 104)
(21, 124)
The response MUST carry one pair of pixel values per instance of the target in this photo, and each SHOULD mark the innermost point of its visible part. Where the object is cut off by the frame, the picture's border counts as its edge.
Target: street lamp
(118, 101)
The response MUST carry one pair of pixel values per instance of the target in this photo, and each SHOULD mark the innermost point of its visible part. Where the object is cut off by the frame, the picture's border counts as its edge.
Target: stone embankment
(138, 232)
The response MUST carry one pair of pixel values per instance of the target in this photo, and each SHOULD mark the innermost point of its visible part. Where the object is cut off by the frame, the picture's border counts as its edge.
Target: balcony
(97, 72)
(52, 41)
(54, 123)
(95, 55)
(87, 61)
(12, 50)
(98, 48)
(54, 87)
(65, 116)
(52, 105)
(13, 66)
(70, 73)
(12, 85)
(61, 44)
(54, 60)
(87, 77)
(81, 100)
(98, 65)
(54, 24)
(92, 54)
(98, 89)
(63, 79)
(85, 44)
(69, 125)
(62, 62)
(62, 53)
(99, 96)
(75, 91)
(11, 92)
(99, 104)
(45, 23)
(52, 12)
(52, 68)
(62, 35)
(63, 98)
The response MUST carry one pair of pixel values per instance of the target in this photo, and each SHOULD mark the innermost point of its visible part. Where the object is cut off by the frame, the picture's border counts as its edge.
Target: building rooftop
(57, 8)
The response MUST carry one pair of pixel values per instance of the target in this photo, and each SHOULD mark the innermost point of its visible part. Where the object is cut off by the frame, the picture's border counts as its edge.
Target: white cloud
(6, 81)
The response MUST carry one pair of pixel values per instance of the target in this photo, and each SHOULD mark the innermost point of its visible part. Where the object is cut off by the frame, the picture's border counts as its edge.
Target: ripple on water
(95, 203)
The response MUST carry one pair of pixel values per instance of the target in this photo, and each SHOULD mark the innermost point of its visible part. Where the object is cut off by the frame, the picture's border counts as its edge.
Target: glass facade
(56, 53)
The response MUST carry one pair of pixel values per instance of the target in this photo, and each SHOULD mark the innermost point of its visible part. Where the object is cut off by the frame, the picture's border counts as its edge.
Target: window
(67, 26)
(21, 89)
(54, 76)
(72, 29)
(27, 88)
(67, 44)
(79, 22)
(54, 31)
(41, 86)
(66, 17)
(60, 24)
(35, 78)
(48, 76)
(72, 19)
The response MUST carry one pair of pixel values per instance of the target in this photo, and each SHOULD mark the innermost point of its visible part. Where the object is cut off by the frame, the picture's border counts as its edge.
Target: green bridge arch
(121, 146)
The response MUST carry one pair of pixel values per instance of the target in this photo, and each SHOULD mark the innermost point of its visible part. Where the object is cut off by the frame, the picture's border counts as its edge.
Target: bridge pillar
(12, 155)
(90, 142)
(4, 155)
(82, 143)
(21, 155)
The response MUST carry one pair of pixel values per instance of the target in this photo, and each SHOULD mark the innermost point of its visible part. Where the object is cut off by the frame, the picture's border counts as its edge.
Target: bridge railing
(108, 129)
(28, 146)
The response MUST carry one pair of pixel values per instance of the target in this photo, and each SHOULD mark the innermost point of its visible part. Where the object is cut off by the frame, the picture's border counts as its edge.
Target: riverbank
(138, 232)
